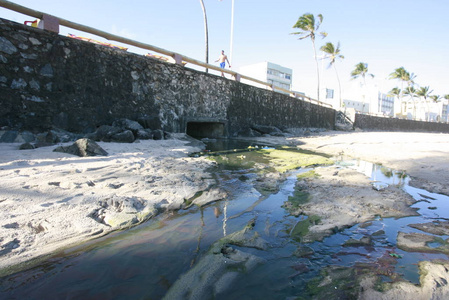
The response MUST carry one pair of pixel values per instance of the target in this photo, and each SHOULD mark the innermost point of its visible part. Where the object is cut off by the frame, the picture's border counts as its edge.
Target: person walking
(223, 59)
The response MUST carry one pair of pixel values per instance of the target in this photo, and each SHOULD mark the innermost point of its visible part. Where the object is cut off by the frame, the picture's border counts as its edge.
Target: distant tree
(333, 53)
(436, 99)
(361, 70)
(424, 93)
(404, 77)
(411, 91)
(309, 29)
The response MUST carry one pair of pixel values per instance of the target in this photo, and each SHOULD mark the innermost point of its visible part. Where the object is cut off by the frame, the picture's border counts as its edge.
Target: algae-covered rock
(421, 242)
(216, 271)
(303, 251)
(363, 242)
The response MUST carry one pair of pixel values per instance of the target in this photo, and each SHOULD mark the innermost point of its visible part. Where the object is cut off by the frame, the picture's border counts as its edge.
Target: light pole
(232, 34)
(206, 33)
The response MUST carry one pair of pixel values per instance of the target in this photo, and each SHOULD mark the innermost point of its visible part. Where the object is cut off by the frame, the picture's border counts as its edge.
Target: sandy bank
(50, 200)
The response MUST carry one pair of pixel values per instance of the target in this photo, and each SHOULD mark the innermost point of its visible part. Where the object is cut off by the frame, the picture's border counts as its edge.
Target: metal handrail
(112, 37)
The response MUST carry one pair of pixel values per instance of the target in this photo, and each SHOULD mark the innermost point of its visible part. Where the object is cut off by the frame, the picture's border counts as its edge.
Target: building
(358, 106)
(445, 113)
(385, 104)
(276, 75)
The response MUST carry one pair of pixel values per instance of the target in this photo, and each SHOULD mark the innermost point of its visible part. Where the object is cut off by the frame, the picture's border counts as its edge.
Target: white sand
(47, 199)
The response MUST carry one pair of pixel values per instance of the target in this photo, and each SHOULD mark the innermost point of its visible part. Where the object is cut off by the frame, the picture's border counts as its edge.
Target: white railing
(52, 23)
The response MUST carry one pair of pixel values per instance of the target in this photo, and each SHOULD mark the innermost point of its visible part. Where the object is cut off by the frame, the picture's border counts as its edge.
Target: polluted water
(241, 247)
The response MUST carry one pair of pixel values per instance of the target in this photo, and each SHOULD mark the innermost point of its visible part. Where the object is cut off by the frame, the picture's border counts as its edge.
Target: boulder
(123, 137)
(9, 136)
(104, 133)
(126, 124)
(248, 132)
(26, 146)
(83, 147)
(145, 134)
(158, 134)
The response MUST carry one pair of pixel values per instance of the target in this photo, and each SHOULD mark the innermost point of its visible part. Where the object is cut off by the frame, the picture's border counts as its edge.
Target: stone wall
(51, 81)
(367, 122)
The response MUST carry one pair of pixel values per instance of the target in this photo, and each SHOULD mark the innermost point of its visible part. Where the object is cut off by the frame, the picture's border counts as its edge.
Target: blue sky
(385, 34)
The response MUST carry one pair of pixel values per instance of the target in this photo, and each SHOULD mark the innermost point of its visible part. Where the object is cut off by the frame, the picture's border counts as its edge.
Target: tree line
(309, 26)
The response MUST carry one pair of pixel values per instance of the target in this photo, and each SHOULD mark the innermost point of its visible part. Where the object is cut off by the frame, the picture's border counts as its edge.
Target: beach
(50, 200)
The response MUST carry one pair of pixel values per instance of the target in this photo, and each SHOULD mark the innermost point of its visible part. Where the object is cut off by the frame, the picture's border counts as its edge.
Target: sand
(423, 156)
(51, 200)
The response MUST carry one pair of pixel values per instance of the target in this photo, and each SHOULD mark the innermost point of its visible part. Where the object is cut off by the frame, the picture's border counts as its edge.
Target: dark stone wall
(51, 81)
(367, 122)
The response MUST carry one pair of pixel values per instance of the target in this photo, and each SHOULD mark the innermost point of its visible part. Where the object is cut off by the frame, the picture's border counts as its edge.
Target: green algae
(308, 175)
(287, 159)
(301, 228)
(268, 160)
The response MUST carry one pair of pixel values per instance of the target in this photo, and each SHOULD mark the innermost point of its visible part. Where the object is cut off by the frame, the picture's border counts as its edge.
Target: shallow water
(142, 263)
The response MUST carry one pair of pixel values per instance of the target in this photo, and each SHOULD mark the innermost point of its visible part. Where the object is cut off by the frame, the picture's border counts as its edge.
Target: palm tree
(333, 53)
(403, 76)
(411, 91)
(205, 33)
(396, 92)
(309, 29)
(361, 70)
(436, 99)
(425, 92)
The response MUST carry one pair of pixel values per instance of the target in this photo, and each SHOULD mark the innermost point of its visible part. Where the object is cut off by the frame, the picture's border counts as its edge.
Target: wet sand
(423, 156)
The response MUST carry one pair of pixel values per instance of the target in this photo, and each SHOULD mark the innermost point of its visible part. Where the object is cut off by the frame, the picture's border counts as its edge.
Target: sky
(385, 34)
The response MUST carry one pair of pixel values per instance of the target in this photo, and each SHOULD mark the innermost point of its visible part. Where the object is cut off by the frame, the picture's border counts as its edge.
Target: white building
(271, 73)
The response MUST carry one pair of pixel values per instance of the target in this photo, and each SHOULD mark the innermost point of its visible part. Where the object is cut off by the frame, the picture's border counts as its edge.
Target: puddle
(142, 263)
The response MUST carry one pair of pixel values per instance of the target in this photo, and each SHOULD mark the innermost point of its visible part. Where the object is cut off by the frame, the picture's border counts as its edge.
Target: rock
(104, 133)
(264, 129)
(128, 125)
(118, 212)
(83, 147)
(436, 227)
(48, 137)
(363, 242)
(248, 132)
(55, 136)
(216, 272)
(379, 186)
(303, 250)
(123, 137)
(9, 136)
(145, 134)
(25, 137)
(150, 121)
(206, 197)
(420, 242)
(158, 134)
(26, 146)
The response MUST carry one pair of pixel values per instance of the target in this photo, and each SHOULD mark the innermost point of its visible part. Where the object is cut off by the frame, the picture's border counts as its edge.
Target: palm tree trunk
(339, 85)
(317, 70)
